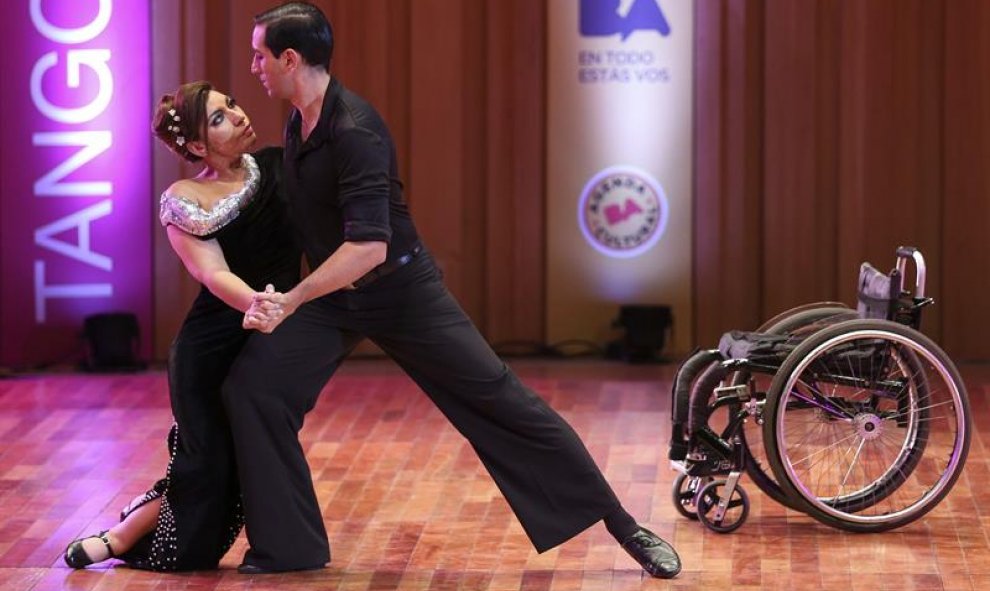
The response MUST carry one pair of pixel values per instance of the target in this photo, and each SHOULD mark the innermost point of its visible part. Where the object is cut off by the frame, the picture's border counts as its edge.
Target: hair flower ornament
(179, 138)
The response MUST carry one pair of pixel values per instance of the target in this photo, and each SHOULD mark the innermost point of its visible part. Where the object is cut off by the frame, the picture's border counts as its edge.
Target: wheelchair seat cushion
(756, 346)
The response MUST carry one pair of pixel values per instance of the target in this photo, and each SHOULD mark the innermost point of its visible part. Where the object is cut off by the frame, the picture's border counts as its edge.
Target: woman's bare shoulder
(188, 188)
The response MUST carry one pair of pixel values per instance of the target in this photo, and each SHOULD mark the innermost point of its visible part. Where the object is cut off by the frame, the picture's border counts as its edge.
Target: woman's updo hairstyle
(180, 118)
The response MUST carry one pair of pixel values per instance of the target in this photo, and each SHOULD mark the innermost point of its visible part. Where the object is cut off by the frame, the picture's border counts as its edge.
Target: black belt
(388, 267)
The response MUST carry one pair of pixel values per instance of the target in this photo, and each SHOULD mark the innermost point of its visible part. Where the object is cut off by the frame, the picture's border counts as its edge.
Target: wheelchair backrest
(878, 292)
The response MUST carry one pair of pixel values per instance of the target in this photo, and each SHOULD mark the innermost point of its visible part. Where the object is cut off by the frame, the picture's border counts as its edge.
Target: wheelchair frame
(861, 388)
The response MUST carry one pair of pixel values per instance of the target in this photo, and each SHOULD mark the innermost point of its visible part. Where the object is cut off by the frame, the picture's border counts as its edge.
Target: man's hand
(263, 312)
(268, 309)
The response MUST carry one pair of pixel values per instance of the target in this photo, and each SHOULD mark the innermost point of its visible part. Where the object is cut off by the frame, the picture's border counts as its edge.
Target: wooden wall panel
(889, 139)
(966, 215)
(437, 171)
(728, 177)
(799, 221)
(474, 144)
(514, 262)
(744, 137)
(871, 132)
(708, 178)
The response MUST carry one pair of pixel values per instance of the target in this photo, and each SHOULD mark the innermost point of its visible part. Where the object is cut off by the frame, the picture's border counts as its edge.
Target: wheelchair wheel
(685, 490)
(757, 465)
(735, 511)
(867, 425)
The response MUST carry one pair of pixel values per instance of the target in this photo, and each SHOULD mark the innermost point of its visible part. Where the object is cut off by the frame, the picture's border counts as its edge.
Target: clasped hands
(268, 309)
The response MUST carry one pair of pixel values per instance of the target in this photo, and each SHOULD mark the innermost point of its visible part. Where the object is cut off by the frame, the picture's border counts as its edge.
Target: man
(373, 278)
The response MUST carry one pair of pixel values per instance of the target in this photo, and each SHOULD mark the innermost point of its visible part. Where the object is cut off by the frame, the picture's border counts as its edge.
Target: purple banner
(76, 208)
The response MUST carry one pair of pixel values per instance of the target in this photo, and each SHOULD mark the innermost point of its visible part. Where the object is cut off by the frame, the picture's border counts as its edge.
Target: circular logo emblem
(623, 212)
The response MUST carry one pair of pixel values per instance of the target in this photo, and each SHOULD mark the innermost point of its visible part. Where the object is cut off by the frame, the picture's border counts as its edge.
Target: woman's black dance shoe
(76, 557)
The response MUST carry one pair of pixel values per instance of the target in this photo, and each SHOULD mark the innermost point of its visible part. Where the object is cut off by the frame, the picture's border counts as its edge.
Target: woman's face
(228, 129)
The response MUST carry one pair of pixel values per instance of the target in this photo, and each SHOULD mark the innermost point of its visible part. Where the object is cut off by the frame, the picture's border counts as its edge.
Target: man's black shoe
(656, 556)
(251, 569)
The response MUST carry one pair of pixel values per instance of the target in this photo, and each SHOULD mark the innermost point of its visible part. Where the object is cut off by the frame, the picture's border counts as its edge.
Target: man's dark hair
(300, 26)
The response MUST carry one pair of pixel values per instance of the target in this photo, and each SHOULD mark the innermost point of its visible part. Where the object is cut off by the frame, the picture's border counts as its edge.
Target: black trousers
(538, 462)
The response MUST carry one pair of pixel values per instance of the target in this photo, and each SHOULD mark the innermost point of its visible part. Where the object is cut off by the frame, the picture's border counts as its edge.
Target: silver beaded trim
(193, 219)
(164, 542)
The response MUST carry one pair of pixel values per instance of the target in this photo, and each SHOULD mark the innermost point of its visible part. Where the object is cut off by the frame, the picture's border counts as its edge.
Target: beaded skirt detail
(166, 548)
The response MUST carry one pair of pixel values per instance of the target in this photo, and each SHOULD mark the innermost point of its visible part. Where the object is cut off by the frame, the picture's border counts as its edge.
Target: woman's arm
(205, 262)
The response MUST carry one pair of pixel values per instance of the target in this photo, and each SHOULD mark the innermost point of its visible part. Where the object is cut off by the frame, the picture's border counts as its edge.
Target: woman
(228, 226)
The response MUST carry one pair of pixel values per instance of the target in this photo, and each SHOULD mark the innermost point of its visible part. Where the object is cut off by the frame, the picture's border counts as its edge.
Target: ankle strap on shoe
(104, 537)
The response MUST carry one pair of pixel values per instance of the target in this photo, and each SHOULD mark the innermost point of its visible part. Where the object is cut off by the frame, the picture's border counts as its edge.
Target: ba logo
(622, 212)
(602, 18)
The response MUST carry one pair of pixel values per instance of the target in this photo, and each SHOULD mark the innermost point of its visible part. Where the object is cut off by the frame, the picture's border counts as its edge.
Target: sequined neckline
(192, 218)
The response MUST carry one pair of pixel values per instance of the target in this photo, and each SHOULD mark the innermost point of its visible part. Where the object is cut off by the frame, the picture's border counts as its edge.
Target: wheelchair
(852, 416)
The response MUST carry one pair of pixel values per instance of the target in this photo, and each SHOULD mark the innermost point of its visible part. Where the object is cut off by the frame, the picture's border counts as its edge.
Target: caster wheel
(735, 511)
(685, 490)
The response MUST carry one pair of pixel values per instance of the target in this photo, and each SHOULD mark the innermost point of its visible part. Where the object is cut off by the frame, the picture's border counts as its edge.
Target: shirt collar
(324, 127)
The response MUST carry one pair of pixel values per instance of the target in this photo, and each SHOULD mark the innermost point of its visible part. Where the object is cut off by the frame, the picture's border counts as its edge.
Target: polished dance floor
(408, 506)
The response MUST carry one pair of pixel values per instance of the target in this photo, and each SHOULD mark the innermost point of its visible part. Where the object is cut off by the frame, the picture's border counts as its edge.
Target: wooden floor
(408, 506)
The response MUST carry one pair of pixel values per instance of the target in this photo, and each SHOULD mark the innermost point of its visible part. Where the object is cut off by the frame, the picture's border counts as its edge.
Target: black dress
(201, 512)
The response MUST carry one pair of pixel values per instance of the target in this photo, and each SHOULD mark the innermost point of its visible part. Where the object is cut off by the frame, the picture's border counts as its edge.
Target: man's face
(269, 69)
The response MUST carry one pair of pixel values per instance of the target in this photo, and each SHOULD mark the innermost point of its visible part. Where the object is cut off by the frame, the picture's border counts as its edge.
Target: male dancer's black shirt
(342, 182)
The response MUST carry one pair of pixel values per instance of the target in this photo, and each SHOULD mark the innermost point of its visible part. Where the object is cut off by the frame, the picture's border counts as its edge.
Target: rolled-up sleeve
(363, 185)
